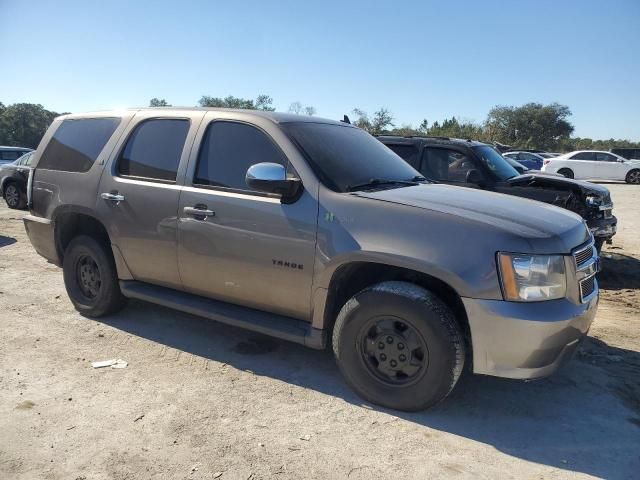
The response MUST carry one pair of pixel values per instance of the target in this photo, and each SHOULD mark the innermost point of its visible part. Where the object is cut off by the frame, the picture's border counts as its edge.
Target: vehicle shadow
(570, 421)
(619, 272)
(5, 241)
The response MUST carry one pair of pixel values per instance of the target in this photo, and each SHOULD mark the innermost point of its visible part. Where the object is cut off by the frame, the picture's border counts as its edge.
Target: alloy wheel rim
(12, 196)
(393, 351)
(88, 276)
(634, 177)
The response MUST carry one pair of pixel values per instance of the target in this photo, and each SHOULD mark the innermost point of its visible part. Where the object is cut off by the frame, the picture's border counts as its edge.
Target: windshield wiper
(376, 182)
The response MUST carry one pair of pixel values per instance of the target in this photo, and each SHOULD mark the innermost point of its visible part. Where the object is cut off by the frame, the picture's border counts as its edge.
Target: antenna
(345, 119)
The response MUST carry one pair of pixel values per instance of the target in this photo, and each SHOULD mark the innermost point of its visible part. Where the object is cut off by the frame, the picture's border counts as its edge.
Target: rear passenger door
(249, 248)
(139, 192)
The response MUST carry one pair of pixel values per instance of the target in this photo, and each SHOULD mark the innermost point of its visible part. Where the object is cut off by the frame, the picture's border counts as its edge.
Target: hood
(534, 221)
(560, 180)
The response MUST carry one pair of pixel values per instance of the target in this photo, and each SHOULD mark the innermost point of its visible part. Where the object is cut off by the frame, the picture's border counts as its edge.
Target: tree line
(533, 125)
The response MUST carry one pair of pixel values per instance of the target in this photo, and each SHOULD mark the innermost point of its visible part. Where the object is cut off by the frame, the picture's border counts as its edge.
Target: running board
(286, 328)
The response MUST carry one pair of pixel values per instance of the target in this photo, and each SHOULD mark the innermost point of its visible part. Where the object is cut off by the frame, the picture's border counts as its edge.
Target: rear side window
(76, 144)
(584, 156)
(227, 152)
(10, 155)
(409, 153)
(153, 150)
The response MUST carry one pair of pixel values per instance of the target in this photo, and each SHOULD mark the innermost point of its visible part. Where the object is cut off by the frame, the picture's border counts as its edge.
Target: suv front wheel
(398, 345)
(90, 278)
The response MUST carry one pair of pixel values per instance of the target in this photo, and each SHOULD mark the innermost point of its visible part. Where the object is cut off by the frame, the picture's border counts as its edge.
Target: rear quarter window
(76, 144)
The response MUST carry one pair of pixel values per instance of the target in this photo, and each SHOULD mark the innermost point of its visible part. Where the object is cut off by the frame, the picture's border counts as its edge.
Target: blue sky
(420, 59)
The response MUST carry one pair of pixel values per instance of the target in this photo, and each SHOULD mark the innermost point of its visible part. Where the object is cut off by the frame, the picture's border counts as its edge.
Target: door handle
(199, 212)
(112, 197)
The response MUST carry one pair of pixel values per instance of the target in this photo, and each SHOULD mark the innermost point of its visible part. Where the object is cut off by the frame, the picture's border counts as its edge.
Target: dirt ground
(200, 400)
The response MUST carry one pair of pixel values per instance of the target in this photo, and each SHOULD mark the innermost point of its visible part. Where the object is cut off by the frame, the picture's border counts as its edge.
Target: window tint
(584, 156)
(10, 155)
(605, 157)
(344, 156)
(153, 150)
(447, 165)
(227, 152)
(409, 153)
(77, 143)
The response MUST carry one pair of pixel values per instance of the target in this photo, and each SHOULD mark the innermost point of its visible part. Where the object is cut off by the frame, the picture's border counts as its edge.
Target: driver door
(238, 245)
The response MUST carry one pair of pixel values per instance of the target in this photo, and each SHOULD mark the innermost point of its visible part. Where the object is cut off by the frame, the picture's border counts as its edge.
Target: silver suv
(311, 230)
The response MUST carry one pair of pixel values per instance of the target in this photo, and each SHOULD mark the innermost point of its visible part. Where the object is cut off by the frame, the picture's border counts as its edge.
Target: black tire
(90, 278)
(633, 177)
(379, 318)
(566, 172)
(14, 196)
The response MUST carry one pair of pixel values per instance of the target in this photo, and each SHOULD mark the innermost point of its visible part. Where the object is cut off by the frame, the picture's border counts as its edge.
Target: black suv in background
(473, 164)
(628, 153)
(13, 181)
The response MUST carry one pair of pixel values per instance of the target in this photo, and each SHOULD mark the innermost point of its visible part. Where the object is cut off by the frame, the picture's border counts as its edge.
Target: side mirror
(473, 176)
(272, 178)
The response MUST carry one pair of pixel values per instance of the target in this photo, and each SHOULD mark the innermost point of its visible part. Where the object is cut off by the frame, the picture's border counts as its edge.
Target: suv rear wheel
(398, 345)
(14, 196)
(90, 278)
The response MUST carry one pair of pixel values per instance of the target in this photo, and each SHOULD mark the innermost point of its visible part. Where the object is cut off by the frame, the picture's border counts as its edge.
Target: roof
(276, 117)
(412, 140)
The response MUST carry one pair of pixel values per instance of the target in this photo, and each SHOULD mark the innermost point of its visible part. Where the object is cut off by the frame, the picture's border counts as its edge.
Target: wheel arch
(70, 222)
(353, 277)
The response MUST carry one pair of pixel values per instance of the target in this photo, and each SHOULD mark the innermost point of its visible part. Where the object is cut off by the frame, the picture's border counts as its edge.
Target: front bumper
(526, 340)
(603, 227)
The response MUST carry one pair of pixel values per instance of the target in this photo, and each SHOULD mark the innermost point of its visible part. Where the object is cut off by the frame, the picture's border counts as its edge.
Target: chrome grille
(587, 287)
(582, 256)
(587, 265)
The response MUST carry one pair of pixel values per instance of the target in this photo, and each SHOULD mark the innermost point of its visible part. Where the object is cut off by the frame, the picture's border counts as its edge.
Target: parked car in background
(13, 181)
(11, 154)
(478, 165)
(521, 169)
(628, 153)
(533, 161)
(592, 164)
(309, 230)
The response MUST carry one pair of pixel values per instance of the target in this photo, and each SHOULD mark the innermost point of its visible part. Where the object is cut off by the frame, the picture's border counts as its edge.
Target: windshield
(496, 163)
(344, 156)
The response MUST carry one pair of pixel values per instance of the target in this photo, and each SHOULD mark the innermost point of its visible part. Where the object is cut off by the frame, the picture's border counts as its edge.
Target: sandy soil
(201, 400)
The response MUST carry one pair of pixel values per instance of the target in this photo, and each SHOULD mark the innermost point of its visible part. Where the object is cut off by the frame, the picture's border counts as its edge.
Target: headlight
(593, 201)
(532, 278)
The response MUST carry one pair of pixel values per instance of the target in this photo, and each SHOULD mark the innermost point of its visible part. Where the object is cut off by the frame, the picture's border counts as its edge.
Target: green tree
(24, 124)
(532, 125)
(262, 102)
(157, 102)
(379, 124)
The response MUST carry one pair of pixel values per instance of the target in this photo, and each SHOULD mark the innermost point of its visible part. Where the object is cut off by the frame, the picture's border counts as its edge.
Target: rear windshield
(77, 143)
(344, 156)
